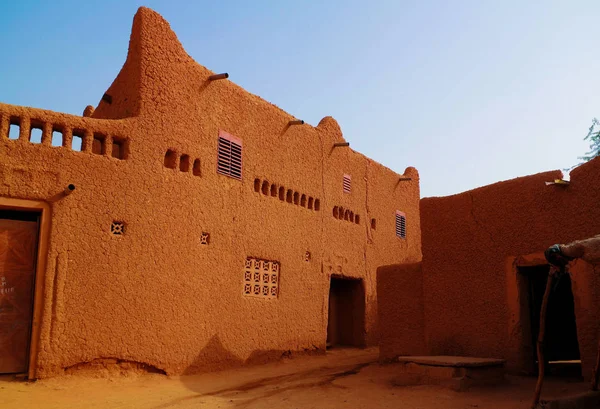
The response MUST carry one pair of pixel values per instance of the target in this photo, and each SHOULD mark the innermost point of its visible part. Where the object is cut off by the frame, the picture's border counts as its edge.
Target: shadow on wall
(214, 356)
(259, 389)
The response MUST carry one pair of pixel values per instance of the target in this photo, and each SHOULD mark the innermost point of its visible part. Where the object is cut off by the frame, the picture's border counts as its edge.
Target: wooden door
(18, 246)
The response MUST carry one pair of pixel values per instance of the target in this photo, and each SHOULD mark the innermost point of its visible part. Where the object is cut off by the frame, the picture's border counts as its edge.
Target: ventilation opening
(281, 193)
(317, 204)
(273, 190)
(117, 228)
(77, 141)
(336, 213)
(196, 169)
(171, 159)
(356, 219)
(15, 129)
(400, 224)
(296, 198)
(347, 183)
(99, 144)
(561, 345)
(265, 188)
(229, 158)
(35, 135)
(346, 320)
(261, 278)
(57, 137)
(288, 196)
(374, 224)
(257, 185)
(310, 202)
(346, 215)
(303, 201)
(119, 149)
(184, 163)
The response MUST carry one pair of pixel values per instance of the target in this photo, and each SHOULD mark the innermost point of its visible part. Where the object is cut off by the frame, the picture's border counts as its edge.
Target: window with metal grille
(347, 183)
(229, 160)
(400, 224)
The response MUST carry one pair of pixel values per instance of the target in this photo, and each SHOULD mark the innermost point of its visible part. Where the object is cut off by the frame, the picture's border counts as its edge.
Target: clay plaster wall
(156, 295)
(471, 243)
(400, 301)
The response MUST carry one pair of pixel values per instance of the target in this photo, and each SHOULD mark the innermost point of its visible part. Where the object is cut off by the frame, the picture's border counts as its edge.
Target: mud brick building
(478, 290)
(184, 224)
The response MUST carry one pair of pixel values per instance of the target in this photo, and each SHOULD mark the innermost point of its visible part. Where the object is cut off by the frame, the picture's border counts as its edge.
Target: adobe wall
(471, 242)
(157, 296)
(401, 309)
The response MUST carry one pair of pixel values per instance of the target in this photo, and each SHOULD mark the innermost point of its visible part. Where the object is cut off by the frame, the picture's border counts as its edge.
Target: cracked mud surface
(344, 378)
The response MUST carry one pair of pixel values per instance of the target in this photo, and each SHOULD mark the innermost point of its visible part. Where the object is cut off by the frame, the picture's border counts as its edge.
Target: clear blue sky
(468, 92)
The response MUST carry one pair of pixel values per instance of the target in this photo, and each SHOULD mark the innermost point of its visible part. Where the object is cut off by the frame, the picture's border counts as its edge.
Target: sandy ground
(340, 379)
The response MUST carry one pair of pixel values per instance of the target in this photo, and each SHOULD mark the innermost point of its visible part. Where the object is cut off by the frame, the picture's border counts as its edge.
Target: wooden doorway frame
(40, 270)
(584, 279)
(519, 343)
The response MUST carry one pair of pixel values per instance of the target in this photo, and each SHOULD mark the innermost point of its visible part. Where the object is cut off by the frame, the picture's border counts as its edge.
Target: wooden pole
(296, 122)
(540, 340)
(596, 368)
(69, 189)
(339, 144)
(218, 77)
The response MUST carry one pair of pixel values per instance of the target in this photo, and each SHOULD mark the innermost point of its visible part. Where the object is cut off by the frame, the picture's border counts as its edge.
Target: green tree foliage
(594, 137)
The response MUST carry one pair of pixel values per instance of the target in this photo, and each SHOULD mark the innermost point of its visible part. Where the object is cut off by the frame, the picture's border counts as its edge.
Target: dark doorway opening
(561, 347)
(346, 321)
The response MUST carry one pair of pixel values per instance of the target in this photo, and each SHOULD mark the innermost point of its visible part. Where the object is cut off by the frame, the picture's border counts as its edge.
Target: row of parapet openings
(289, 195)
(77, 139)
(184, 161)
(345, 214)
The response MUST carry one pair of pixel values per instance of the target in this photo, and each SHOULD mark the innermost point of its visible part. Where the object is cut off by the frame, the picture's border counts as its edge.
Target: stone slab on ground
(453, 361)
(455, 372)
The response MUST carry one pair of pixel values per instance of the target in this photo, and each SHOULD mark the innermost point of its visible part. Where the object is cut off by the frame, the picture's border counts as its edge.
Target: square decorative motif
(261, 278)
(204, 238)
(117, 228)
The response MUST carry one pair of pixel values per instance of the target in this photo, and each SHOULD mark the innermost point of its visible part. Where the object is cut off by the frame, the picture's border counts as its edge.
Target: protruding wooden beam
(69, 189)
(340, 144)
(403, 179)
(218, 77)
(296, 122)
